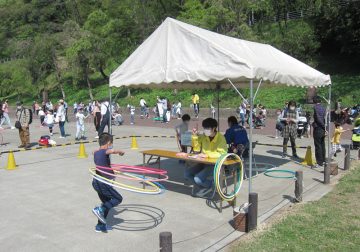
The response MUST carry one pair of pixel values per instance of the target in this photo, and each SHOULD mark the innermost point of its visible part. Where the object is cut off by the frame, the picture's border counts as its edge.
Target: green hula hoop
(267, 173)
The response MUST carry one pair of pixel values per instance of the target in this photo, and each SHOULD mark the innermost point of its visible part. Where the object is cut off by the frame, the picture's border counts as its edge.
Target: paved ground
(47, 200)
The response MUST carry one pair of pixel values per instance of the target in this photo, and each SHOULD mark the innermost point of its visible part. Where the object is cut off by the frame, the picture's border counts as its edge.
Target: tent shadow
(135, 217)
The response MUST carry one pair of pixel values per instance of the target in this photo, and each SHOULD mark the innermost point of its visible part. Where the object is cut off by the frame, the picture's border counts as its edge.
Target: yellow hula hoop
(217, 175)
(119, 185)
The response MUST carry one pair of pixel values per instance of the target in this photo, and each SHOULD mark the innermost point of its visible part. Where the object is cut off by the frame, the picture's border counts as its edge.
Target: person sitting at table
(213, 145)
(237, 138)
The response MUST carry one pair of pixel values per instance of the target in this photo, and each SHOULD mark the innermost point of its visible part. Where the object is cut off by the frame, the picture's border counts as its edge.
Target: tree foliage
(54, 43)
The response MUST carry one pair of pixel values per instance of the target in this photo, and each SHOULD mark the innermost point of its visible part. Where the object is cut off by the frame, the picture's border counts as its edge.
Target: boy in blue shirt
(236, 136)
(107, 194)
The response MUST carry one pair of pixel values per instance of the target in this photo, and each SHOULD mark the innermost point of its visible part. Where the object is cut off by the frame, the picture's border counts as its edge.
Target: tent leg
(110, 109)
(329, 126)
(250, 135)
(218, 105)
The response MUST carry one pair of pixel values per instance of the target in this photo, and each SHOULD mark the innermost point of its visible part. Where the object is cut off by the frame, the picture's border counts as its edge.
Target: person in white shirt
(132, 114)
(80, 124)
(42, 116)
(50, 120)
(61, 117)
(105, 117)
(242, 113)
(178, 110)
(143, 107)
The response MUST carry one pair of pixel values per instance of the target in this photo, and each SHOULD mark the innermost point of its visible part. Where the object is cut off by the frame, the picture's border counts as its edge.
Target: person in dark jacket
(237, 138)
(319, 131)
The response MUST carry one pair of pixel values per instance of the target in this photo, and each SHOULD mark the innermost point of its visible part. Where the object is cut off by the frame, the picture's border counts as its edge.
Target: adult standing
(5, 118)
(105, 117)
(143, 108)
(61, 118)
(37, 108)
(290, 117)
(319, 131)
(23, 116)
(164, 103)
(97, 115)
(196, 101)
(242, 112)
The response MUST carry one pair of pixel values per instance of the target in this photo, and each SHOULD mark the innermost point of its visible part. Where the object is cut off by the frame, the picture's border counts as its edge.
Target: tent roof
(179, 52)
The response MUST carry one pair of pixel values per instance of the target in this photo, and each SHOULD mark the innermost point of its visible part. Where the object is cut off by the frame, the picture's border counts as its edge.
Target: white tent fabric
(178, 52)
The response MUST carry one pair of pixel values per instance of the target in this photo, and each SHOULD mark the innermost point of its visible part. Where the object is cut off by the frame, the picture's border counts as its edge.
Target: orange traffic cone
(134, 145)
(11, 165)
(82, 152)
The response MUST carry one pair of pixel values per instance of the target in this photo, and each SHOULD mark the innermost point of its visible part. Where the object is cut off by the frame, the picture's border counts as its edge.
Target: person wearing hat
(23, 117)
(61, 118)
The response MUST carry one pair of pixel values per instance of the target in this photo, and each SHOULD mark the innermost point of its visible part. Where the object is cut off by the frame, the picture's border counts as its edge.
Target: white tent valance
(178, 52)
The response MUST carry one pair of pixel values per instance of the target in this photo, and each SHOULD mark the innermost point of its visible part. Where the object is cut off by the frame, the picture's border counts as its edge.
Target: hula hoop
(217, 176)
(157, 188)
(267, 173)
(129, 176)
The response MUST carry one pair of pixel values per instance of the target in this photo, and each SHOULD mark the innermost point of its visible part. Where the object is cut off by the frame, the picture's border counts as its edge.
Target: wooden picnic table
(157, 154)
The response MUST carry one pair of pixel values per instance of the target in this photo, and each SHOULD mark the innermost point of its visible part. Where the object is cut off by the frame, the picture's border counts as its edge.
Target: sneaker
(51, 134)
(97, 137)
(27, 146)
(21, 146)
(99, 213)
(335, 154)
(101, 228)
(283, 155)
(77, 139)
(296, 156)
(61, 137)
(12, 128)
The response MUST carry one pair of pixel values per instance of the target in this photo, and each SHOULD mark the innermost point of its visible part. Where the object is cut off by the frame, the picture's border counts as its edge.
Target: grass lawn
(330, 224)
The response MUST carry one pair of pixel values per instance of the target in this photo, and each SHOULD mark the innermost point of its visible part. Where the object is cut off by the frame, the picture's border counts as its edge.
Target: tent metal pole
(232, 84)
(329, 126)
(250, 135)
(218, 105)
(110, 110)
(257, 89)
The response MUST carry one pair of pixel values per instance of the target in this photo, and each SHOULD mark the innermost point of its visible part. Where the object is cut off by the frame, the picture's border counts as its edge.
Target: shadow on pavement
(143, 217)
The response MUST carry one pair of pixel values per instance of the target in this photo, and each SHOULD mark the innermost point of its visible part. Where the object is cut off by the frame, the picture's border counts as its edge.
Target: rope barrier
(280, 145)
(77, 142)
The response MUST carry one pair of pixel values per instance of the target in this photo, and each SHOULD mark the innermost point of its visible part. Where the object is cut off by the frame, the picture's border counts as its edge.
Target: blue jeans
(108, 195)
(62, 128)
(200, 174)
(164, 115)
(242, 117)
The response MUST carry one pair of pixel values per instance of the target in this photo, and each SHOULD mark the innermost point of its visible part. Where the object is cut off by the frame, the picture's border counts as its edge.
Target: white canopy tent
(178, 52)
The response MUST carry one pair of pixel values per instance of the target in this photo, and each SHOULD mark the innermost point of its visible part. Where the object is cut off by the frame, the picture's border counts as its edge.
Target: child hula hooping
(107, 194)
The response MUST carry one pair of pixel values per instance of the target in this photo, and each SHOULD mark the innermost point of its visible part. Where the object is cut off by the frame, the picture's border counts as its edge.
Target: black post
(327, 173)
(298, 186)
(347, 158)
(253, 211)
(165, 242)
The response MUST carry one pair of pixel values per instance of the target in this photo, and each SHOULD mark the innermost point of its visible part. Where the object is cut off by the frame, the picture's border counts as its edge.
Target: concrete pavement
(47, 200)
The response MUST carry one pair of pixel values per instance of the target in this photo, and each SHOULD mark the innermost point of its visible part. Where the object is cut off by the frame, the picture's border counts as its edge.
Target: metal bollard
(347, 158)
(165, 242)
(253, 211)
(327, 173)
(298, 186)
